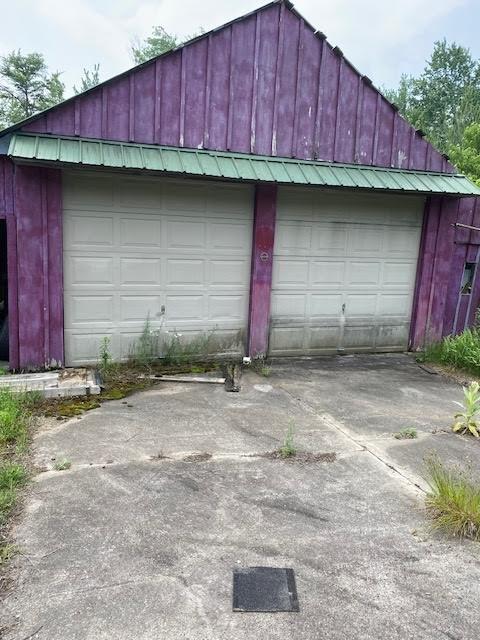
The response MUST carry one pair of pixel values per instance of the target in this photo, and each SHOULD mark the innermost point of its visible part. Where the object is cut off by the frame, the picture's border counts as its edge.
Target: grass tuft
(288, 448)
(461, 351)
(453, 501)
(62, 465)
(409, 433)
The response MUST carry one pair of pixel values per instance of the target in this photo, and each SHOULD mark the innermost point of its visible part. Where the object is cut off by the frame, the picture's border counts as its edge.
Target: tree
(466, 155)
(26, 86)
(158, 42)
(89, 79)
(445, 98)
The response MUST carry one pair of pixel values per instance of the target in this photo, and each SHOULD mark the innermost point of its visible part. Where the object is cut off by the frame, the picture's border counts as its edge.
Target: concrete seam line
(330, 421)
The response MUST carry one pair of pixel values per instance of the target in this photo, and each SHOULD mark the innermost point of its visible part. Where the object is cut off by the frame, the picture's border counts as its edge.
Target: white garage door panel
(134, 246)
(344, 271)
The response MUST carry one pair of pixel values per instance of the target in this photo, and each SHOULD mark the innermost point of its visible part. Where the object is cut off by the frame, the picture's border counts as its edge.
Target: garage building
(250, 183)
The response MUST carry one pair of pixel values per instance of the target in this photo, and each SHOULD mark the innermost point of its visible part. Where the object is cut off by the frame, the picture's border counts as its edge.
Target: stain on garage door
(344, 271)
(137, 247)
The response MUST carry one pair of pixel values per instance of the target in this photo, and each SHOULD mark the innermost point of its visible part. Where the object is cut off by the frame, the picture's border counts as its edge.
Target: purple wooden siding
(265, 209)
(30, 199)
(266, 85)
(440, 309)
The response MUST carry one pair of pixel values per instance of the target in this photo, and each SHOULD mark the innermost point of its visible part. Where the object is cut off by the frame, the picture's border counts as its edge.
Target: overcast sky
(382, 38)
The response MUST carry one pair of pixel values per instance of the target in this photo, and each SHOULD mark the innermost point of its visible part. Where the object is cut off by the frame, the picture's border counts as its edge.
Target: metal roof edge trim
(28, 146)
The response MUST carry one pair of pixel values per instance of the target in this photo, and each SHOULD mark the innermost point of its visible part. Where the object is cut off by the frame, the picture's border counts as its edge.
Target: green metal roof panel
(233, 166)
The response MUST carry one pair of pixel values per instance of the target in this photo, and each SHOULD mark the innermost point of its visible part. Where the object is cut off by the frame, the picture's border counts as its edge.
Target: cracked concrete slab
(144, 548)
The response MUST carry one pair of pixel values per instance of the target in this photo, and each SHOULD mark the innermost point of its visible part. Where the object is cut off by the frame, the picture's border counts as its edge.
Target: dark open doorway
(3, 294)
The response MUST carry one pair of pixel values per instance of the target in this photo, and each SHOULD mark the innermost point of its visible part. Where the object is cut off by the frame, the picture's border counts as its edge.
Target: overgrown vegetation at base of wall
(461, 351)
(15, 421)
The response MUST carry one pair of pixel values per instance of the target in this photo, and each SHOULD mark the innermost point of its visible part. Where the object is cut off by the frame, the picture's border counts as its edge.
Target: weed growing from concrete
(453, 501)
(260, 366)
(409, 433)
(145, 350)
(105, 360)
(466, 421)
(288, 448)
(62, 465)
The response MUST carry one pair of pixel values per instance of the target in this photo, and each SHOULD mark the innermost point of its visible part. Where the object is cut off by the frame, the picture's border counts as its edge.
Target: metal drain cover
(264, 589)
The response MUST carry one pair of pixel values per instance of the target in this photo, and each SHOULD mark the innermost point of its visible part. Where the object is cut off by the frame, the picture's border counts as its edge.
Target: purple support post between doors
(262, 263)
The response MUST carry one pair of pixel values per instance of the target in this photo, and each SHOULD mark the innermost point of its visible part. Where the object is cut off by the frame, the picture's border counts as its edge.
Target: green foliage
(409, 433)
(12, 476)
(26, 86)
(145, 350)
(466, 155)
(445, 98)
(466, 421)
(288, 448)
(7, 551)
(13, 417)
(461, 351)
(89, 79)
(105, 361)
(158, 42)
(177, 349)
(62, 465)
(453, 501)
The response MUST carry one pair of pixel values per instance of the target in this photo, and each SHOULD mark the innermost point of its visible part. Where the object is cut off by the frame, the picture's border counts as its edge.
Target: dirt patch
(455, 375)
(197, 457)
(305, 457)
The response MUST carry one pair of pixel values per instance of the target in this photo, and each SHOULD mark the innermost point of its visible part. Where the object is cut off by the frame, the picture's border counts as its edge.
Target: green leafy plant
(453, 501)
(461, 351)
(145, 349)
(62, 465)
(288, 448)
(105, 357)
(3, 371)
(466, 420)
(409, 433)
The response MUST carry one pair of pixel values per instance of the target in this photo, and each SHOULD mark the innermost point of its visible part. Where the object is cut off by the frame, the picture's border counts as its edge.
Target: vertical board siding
(346, 114)
(265, 84)
(442, 265)
(265, 209)
(428, 248)
(170, 96)
(143, 106)
(267, 60)
(366, 125)
(39, 259)
(328, 89)
(307, 91)
(386, 118)
(195, 61)
(241, 84)
(217, 119)
(288, 74)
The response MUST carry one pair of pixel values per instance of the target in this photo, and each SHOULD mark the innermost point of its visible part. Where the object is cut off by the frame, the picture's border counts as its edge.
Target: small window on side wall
(467, 279)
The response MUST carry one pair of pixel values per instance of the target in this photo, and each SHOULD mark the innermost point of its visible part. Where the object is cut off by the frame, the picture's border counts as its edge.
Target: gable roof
(266, 83)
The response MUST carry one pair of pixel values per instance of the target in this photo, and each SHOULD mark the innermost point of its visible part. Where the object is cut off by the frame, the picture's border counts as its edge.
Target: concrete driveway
(128, 544)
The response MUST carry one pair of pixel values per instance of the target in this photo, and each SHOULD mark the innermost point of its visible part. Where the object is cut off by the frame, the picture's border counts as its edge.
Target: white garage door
(344, 271)
(176, 252)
